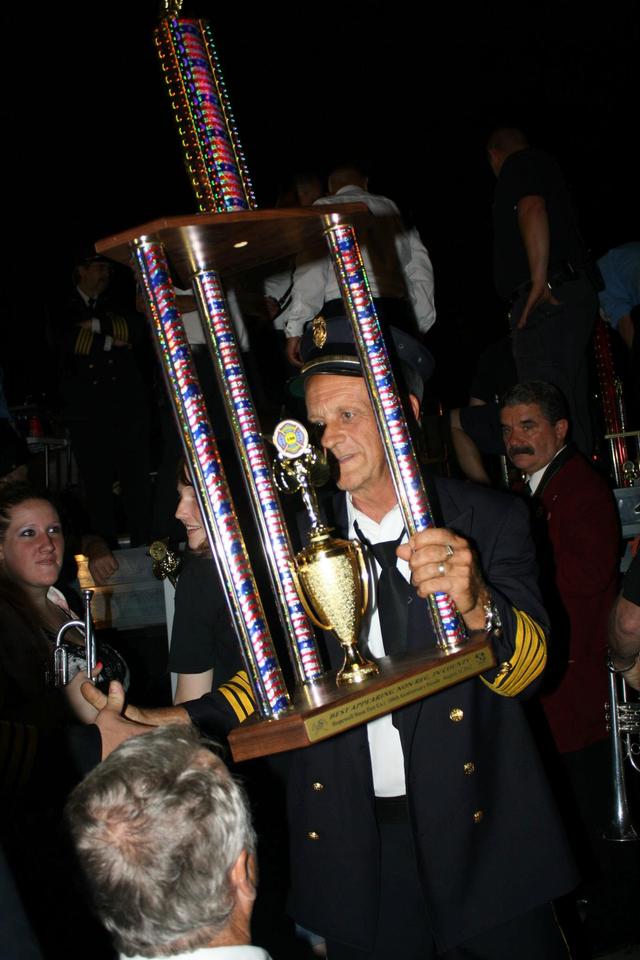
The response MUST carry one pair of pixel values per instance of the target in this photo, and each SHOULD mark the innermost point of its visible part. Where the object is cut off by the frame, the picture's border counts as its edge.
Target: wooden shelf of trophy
(323, 709)
(231, 243)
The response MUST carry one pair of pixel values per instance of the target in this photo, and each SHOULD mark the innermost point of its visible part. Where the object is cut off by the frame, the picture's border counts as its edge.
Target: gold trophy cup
(330, 574)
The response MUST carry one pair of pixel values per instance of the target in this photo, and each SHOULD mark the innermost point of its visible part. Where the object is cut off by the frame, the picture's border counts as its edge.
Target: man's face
(340, 407)
(530, 440)
(93, 277)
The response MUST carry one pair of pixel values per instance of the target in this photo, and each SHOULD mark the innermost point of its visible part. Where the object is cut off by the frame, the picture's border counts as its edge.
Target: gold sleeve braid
(237, 691)
(121, 330)
(120, 327)
(528, 659)
(83, 341)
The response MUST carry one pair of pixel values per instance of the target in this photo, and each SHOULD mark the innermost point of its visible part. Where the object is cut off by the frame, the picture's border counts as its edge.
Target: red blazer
(583, 532)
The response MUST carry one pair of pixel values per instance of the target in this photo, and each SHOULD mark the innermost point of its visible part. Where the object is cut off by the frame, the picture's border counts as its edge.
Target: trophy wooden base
(322, 710)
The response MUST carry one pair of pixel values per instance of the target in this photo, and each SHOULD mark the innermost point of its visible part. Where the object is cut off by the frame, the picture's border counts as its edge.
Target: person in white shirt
(397, 264)
(164, 838)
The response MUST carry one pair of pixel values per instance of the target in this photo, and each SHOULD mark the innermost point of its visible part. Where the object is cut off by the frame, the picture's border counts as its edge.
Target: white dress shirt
(245, 952)
(385, 748)
(193, 323)
(96, 326)
(396, 261)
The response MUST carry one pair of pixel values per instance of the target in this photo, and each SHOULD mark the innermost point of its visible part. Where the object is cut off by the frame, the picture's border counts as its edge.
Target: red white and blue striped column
(257, 470)
(385, 398)
(218, 510)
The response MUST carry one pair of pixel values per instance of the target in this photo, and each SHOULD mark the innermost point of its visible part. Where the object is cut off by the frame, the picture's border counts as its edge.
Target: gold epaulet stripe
(83, 341)
(528, 659)
(230, 697)
(245, 698)
(237, 692)
(242, 679)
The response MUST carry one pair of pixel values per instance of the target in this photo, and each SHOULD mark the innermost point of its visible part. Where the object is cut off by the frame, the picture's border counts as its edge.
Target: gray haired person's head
(547, 396)
(157, 828)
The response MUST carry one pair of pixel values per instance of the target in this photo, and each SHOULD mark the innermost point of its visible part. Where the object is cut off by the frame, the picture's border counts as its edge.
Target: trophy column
(385, 400)
(257, 472)
(225, 537)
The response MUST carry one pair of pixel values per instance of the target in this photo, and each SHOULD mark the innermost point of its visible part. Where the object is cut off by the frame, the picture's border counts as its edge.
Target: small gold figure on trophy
(330, 574)
(166, 563)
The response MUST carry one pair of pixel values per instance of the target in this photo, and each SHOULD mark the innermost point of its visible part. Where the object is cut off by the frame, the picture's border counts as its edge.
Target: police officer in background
(105, 400)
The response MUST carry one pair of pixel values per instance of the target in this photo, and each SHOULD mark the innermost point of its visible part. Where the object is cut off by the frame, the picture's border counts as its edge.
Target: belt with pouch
(559, 272)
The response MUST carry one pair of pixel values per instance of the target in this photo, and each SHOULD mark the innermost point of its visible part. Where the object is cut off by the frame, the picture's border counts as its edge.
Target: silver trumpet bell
(61, 652)
(623, 724)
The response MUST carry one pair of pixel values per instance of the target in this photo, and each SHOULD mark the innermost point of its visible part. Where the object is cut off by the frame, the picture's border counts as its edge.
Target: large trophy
(326, 584)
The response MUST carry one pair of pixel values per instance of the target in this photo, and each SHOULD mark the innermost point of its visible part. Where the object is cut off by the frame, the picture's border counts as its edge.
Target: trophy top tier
(231, 243)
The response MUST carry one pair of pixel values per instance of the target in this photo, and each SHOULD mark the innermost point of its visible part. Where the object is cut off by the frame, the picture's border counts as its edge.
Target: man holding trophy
(430, 831)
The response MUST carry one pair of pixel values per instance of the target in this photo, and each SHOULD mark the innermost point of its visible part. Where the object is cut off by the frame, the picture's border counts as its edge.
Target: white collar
(388, 528)
(240, 952)
(534, 479)
(350, 188)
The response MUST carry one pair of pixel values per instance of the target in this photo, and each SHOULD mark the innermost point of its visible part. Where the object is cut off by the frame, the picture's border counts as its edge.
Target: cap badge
(319, 332)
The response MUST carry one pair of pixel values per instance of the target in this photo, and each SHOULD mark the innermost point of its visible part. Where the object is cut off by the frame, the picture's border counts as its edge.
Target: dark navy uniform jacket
(488, 838)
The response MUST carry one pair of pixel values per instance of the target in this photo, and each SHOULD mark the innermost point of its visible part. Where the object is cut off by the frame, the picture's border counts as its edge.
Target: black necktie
(91, 303)
(392, 593)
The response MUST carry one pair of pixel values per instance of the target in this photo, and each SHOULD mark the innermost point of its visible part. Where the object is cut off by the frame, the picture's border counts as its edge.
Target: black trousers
(552, 347)
(403, 923)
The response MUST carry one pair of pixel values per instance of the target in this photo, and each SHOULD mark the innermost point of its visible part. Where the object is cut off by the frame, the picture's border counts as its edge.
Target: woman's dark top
(202, 636)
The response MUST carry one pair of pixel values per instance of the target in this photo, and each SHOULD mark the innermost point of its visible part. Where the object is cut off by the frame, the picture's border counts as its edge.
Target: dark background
(411, 91)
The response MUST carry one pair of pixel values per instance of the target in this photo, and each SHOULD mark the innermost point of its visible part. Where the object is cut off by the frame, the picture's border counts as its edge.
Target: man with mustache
(576, 529)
